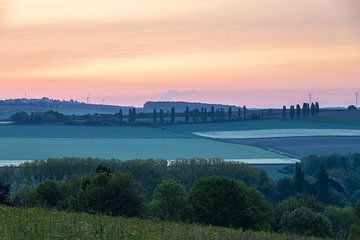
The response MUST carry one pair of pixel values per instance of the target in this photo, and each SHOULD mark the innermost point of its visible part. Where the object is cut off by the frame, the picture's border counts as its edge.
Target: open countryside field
(329, 123)
(305, 146)
(44, 224)
(27, 142)
(278, 133)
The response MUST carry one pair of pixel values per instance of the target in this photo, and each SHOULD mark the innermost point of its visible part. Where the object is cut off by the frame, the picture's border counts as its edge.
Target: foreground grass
(47, 224)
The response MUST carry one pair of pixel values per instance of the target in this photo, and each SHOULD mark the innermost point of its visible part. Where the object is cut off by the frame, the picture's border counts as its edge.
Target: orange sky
(206, 50)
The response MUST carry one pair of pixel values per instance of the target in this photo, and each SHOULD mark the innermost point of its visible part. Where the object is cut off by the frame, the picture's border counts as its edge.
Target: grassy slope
(44, 224)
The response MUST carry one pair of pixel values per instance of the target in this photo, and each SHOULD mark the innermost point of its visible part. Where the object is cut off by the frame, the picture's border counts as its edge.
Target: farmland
(305, 146)
(121, 142)
(45, 224)
(178, 141)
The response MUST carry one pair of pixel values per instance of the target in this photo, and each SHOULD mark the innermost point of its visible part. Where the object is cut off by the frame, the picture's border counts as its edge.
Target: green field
(31, 142)
(321, 123)
(126, 148)
(34, 224)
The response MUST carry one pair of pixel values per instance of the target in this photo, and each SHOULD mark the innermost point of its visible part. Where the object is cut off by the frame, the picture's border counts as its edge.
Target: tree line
(307, 110)
(159, 116)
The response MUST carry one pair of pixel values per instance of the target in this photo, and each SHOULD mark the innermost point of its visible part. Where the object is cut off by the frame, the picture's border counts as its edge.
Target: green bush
(304, 221)
(113, 194)
(169, 201)
(227, 202)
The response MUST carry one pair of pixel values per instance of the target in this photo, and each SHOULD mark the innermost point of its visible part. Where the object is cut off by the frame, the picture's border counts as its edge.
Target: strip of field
(128, 148)
(305, 146)
(278, 133)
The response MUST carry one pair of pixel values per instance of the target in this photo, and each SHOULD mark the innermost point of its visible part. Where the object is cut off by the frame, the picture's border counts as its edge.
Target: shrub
(227, 202)
(304, 221)
(169, 201)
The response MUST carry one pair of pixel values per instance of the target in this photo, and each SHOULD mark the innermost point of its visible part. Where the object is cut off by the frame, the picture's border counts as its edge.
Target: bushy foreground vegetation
(36, 224)
(210, 192)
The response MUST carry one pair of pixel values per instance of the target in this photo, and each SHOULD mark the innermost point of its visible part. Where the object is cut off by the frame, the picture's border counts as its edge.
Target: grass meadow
(33, 224)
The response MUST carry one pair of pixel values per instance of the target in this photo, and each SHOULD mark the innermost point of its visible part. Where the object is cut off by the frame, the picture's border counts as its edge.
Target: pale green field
(37, 142)
(278, 133)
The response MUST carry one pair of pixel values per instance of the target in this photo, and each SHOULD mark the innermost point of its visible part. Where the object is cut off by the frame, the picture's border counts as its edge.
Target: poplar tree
(187, 115)
(322, 185)
(284, 112)
(244, 112)
(161, 116)
(299, 179)
(230, 113)
(154, 116)
(172, 115)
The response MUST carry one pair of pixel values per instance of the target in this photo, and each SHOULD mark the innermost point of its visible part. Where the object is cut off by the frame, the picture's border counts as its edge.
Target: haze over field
(229, 51)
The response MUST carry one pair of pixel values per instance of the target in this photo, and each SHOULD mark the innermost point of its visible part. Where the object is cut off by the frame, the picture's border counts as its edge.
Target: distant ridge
(69, 107)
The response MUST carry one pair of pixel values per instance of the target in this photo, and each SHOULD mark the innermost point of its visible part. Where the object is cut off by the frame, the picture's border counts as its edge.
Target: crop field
(305, 146)
(37, 142)
(45, 224)
(278, 133)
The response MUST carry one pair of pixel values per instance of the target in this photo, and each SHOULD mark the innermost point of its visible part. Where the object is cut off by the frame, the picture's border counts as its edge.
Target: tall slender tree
(298, 110)
(130, 116)
(313, 110)
(162, 117)
(230, 113)
(317, 107)
(187, 114)
(322, 185)
(154, 116)
(292, 111)
(284, 112)
(299, 179)
(120, 116)
(172, 115)
(205, 115)
(239, 113)
(212, 114)
(244, 112)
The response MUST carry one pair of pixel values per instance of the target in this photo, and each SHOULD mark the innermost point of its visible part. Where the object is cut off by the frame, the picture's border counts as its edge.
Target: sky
(261, 53)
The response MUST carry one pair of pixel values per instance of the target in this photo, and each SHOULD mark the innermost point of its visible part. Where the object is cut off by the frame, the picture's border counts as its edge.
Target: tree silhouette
(317, 107)
(212, 114)
(161, 116)
(284, 112)
(120, 116)
(154, 116)
(298, 110)
(313, 110)
(299, 180)
(292, 111)
(172, 115)
(205, 115)
(187, 115)
(230, 113)
(322, 185)
(244, 112)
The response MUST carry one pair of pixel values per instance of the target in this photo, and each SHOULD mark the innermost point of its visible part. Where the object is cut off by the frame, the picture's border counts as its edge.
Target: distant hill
(181, 106)
(71, 107)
